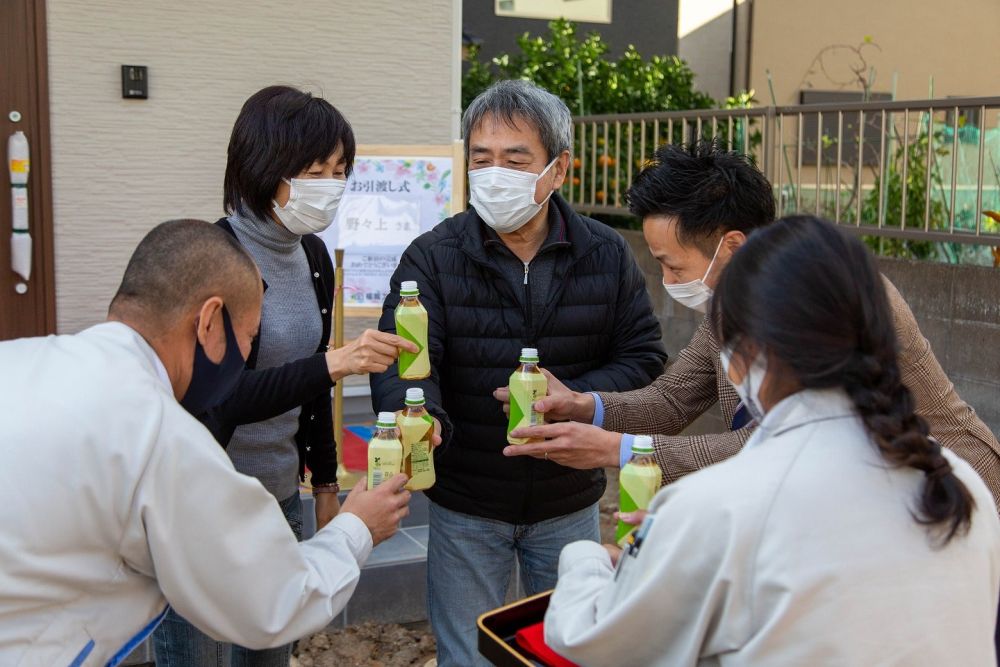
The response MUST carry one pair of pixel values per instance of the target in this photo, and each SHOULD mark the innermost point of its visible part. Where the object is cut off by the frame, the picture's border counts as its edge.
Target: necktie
(741, 417)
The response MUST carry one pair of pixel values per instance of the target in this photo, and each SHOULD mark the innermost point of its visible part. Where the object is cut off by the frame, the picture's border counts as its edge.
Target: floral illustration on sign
(419, 175)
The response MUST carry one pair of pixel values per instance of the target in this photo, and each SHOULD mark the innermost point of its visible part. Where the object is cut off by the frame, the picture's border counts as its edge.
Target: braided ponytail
(813, 297)
(887, 408)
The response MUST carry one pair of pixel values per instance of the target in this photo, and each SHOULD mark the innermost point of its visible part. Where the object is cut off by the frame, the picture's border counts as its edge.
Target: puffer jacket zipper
(530, 337)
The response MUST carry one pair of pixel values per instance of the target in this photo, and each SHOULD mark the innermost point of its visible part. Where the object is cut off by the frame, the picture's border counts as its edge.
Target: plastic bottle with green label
(411, 324)
(527, 385)
(385, 451)
(638, 482)
(416, 427)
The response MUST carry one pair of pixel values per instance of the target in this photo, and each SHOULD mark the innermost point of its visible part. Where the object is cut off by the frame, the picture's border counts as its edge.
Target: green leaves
(890, 204)
(580, 73)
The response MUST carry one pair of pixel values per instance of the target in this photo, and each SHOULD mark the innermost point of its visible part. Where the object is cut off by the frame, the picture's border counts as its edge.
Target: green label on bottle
(525, 389)
(411, 324)
(637, 484)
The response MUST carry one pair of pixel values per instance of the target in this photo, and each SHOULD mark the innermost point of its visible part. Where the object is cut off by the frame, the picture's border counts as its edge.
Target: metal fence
(925, 170)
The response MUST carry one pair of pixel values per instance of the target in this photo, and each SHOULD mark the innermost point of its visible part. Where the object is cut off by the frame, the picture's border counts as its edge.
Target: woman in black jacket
(289, 157)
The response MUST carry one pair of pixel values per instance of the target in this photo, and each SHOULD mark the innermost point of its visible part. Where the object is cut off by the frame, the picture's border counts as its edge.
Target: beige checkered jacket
(694, 382)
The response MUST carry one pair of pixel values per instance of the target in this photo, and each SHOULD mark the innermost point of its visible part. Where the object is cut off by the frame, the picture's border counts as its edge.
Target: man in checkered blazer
(698, 204)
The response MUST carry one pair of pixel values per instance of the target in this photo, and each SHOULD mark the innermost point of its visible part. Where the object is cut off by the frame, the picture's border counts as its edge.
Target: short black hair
(708, 189)
(280, 131)
(178, 265)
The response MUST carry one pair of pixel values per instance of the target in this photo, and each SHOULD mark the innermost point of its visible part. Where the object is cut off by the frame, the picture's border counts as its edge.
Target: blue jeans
(469, 561)
(177, 643)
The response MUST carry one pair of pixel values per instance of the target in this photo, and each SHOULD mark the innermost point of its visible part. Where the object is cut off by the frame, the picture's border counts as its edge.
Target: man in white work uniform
(115, 501)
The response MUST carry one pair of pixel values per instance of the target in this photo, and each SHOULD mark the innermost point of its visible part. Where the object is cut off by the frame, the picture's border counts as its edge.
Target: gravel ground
(391, 645)
(367, 645)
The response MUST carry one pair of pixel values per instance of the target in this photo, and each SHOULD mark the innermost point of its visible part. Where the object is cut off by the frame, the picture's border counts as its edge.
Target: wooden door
(27, 307)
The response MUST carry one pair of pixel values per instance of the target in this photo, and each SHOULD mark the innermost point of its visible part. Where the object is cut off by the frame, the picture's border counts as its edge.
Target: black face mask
(211, 383)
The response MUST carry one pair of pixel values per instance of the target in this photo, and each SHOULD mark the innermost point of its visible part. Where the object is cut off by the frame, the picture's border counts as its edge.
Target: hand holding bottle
(371, 352)
(382, 508)
(559, 404)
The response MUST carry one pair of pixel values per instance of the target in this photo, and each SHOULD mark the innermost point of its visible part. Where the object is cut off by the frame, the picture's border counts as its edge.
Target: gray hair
(517, 99)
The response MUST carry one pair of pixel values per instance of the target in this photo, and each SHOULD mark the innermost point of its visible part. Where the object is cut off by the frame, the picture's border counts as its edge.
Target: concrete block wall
(957, 308)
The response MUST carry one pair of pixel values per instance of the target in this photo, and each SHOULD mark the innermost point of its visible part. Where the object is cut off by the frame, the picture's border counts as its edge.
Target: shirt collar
(161, 370)
(801, 408)
(147, 351)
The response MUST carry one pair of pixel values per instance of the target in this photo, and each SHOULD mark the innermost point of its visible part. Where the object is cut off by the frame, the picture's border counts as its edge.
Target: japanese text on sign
(389, 201)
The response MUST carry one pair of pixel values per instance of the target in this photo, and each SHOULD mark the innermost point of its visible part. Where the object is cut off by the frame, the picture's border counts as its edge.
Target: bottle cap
(386, 419)
(529, 354)
(414, 396)
(408, 288)
(643, 444)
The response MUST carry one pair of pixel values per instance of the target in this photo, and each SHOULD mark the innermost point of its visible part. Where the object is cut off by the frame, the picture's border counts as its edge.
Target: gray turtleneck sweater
(290, 329)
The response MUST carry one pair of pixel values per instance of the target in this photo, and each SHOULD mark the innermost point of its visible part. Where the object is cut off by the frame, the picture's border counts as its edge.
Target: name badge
(634, 543)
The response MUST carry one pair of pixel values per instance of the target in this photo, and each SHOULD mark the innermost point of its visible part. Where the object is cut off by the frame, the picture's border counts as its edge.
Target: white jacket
(800, 550)
(114, 501)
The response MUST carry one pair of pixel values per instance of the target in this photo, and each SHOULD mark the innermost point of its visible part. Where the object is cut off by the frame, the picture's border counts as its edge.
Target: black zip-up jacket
(262, 394)
(596, 332)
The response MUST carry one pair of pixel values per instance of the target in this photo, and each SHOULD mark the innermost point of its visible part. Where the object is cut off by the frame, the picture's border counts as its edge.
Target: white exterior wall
(704, 41)
(122, 166)
(953, 43)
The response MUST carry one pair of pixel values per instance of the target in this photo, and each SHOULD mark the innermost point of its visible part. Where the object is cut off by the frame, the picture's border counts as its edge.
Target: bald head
(178, 266)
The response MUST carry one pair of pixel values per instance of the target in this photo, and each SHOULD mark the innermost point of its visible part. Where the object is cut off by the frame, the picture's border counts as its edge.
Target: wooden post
(345, 478)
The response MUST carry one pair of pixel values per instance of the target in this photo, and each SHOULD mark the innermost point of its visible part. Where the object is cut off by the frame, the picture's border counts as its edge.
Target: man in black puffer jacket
(512, 273)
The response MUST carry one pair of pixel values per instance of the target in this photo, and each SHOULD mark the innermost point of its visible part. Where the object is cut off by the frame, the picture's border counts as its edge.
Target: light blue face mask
(749, 388)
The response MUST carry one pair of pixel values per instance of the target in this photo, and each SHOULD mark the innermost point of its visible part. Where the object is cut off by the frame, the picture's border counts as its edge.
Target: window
(587, 11)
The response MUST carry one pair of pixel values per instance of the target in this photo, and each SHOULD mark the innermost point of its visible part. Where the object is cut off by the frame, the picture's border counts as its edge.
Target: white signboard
(375, 220)
(389, 201)
(587, 11)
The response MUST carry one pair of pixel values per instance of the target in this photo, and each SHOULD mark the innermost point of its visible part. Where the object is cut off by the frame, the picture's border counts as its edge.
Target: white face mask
(312, 204)
(505, 198)
(749, 388)
(695, 294)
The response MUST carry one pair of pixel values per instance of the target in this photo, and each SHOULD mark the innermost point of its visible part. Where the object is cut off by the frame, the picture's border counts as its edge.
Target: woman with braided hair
(841, 533)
